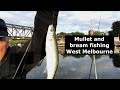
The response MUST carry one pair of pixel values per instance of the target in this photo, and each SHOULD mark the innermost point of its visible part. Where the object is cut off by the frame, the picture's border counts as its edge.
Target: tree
(61, 34)
(110, 32)
(115, 60)
(116, 28)
(77, 33)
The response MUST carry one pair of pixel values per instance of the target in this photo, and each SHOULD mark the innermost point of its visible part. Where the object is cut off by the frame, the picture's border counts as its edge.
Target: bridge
(19, 31)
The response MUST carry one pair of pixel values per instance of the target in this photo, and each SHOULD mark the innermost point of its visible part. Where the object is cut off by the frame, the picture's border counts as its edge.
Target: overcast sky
(68, 21)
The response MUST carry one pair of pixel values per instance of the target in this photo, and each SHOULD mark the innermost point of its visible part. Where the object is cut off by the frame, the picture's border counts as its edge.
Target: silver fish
(52, 56)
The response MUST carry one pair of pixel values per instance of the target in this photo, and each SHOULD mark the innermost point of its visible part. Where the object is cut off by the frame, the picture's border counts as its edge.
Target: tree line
(62, 34)
(115, 31)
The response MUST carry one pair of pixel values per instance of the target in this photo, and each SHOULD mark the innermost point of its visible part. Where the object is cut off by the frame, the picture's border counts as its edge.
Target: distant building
(107, 33)
(90, 32)
(61, 40)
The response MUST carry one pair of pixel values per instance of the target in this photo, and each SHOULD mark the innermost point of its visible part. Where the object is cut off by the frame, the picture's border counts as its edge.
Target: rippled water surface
(78, 67)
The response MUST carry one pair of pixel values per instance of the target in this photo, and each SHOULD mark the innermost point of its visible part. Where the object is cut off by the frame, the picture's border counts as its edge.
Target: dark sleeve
(36, 51)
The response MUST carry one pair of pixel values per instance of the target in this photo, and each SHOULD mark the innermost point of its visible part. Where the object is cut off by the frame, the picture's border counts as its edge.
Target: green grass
(15, 42)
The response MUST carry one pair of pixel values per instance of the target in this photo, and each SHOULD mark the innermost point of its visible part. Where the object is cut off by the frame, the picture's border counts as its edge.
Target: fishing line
(53, 16)
(100, 21)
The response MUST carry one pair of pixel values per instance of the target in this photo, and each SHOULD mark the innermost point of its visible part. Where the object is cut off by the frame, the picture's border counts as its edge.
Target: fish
(52, 55)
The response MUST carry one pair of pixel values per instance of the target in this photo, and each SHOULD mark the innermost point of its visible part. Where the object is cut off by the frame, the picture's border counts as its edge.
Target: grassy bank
(15, 42)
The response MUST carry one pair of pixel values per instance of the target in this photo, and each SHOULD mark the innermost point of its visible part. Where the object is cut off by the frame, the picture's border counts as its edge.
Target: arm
(36, 50)
(42, 20)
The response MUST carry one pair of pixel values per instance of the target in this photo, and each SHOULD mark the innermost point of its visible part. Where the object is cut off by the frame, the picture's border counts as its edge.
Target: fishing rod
(93, 60)
(21, 60)
(91, 68)
(96, 76)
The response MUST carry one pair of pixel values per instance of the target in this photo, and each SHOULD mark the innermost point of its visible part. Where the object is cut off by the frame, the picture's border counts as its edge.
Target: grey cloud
(25, 18)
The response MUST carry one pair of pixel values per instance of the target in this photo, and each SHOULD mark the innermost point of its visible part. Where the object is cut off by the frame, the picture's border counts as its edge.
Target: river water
(78, 67)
